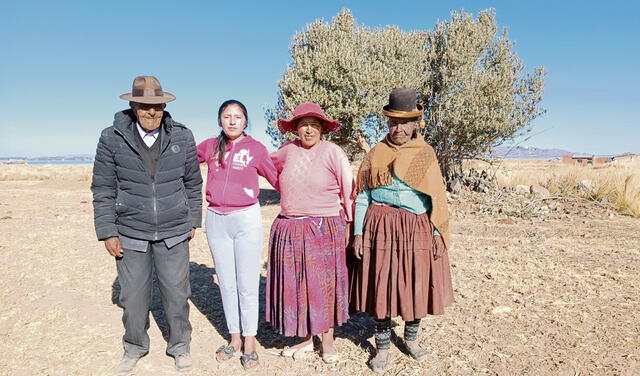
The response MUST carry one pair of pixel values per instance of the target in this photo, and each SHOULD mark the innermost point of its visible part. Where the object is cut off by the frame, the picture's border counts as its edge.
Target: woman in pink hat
(307, 280)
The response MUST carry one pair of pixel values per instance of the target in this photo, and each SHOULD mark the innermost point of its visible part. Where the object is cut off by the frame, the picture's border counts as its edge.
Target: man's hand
(113, 246)
(193, 233)
(357, 247)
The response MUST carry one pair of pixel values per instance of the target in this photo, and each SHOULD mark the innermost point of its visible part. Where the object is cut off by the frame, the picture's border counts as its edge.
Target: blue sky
(65, 63)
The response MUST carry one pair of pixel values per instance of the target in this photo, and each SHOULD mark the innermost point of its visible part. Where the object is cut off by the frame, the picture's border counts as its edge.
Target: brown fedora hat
(147, 89)
(403, 103)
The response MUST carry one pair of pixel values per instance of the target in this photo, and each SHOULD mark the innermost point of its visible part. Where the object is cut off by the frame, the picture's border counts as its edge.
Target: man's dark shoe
(184, 362)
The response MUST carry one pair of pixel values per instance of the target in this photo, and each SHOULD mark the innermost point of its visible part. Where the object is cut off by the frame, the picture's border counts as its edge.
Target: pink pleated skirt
(307, 278)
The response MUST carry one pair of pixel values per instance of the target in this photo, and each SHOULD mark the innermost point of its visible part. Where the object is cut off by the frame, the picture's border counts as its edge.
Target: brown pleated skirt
(397, 275)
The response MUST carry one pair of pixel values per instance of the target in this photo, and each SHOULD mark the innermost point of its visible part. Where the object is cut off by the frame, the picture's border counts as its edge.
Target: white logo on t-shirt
(242, 158)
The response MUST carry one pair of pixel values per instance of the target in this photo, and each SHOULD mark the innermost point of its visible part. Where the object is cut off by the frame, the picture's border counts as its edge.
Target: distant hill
(60, 158)
(528, 152)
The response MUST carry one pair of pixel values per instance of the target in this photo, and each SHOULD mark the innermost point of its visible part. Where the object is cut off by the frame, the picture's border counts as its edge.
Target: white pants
(235, 240)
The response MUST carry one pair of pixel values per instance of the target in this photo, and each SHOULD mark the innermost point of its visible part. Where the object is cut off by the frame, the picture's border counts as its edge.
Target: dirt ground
(551, 295)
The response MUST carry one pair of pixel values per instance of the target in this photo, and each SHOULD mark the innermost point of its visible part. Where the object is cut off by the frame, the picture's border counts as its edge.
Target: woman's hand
(438, 247)
(347, 235)
(357, 247)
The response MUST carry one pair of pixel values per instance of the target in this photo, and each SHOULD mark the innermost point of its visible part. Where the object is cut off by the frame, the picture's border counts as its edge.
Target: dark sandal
(228, 350)
(245, 359)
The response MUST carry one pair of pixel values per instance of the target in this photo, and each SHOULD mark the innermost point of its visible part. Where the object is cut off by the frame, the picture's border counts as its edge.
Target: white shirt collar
(149, 138)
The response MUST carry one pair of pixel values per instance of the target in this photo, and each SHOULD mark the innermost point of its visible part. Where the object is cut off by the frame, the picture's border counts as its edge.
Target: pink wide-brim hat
(304, 110)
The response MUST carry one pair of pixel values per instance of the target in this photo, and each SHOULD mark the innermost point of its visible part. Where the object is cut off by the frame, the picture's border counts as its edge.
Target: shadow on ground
(205, 296)
(269, 197)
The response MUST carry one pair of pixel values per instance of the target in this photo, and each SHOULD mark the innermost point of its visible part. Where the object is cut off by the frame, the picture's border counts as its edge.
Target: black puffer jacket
(127, 201)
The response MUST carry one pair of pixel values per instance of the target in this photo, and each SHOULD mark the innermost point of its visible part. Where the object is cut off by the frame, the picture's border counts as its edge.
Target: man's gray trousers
(135, 275)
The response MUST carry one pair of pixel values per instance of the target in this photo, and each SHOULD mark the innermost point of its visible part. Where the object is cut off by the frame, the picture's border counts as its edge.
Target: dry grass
(45, 172)
(556, 295)
(618, 182)
(25, 172)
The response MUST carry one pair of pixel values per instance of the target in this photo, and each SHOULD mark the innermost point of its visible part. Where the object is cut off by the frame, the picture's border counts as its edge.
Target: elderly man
(147, 203)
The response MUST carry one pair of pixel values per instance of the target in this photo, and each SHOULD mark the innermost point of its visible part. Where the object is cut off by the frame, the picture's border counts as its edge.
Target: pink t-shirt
(314, 182)
(234, 185)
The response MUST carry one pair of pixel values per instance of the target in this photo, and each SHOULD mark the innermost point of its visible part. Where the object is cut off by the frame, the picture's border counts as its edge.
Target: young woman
(234, 224)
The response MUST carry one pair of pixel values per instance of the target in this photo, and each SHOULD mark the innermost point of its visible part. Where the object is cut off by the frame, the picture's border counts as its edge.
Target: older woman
(307, 278)
(401, 231)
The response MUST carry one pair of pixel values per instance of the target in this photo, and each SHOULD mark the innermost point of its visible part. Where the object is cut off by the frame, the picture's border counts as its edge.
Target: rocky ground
(543, 287)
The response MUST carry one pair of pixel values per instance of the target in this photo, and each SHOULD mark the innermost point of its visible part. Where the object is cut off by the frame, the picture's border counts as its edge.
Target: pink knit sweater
(314, 182)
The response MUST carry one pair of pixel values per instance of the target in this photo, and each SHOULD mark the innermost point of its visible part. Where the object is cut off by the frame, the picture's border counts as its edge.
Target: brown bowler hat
(147, 89)
(403, 104)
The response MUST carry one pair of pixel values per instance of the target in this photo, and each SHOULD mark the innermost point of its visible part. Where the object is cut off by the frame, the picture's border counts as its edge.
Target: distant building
(627, 157)
(584, 160)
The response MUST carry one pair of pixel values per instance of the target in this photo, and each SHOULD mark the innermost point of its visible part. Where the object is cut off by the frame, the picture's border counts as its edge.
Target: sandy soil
(552, 295)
